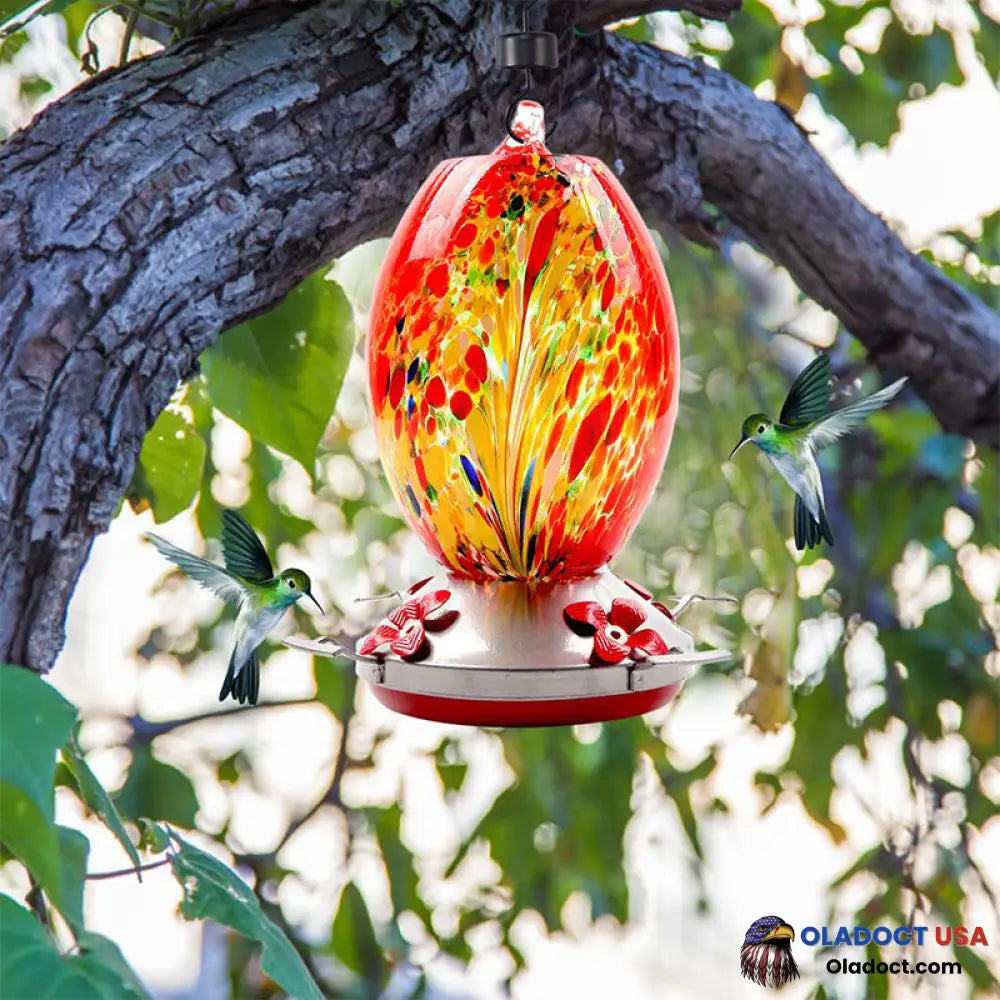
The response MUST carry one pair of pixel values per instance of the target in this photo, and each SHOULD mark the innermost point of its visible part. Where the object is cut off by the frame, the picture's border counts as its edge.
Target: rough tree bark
(159, 204)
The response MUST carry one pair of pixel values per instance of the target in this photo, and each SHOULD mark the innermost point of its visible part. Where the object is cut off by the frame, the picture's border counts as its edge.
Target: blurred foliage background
(887, 640)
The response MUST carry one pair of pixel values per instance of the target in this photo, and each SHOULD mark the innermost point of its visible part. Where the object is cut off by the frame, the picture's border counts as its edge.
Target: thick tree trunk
(159, 204)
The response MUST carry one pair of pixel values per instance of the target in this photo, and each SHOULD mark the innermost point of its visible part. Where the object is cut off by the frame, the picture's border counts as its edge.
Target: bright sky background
(941, 171)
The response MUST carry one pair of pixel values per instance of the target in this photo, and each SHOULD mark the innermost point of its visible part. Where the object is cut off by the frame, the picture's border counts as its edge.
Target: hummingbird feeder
(523, 366)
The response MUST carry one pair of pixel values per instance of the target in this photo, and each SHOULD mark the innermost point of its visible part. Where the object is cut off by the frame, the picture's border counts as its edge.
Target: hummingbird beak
(313, 599)
(743, 440)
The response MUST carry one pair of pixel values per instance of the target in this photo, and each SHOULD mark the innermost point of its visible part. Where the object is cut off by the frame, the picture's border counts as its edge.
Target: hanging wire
(526, 35)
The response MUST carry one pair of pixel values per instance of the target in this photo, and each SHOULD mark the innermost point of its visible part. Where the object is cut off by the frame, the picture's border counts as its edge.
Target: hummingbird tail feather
(244, 684)
(809, 532)
(825, 530)
(803, 531)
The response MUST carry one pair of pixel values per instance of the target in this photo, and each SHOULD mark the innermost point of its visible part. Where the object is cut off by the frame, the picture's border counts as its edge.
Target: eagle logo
(766, 956)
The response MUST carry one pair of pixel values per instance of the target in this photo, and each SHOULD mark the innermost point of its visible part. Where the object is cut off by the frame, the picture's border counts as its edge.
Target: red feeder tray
(550, 712)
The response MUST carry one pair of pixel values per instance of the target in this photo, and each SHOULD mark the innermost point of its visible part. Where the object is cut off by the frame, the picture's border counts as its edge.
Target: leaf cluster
(38, 724)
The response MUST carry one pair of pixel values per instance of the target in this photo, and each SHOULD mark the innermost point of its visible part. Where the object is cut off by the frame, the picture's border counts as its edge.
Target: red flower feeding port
(523, 368)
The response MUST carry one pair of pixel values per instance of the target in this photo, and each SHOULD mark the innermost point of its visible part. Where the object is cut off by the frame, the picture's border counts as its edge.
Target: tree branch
(36, 902)
(159, 204)
(119, 872)
(146, 731)
(597, 13)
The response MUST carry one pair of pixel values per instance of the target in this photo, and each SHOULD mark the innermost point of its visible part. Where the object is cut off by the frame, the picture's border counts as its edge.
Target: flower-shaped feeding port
(617, 633)
(405, 630)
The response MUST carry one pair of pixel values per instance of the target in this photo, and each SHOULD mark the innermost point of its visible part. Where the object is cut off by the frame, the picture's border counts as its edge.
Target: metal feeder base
(511, 659)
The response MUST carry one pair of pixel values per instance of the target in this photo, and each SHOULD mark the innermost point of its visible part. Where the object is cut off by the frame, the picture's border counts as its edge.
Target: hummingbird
(802, 428)
(249, 584)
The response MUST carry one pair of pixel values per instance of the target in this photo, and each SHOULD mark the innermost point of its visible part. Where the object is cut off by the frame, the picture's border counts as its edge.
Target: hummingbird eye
(291, 583)
(760, 429)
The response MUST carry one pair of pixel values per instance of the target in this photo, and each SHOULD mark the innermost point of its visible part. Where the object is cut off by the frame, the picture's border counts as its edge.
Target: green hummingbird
(802, 428)
(247, 583)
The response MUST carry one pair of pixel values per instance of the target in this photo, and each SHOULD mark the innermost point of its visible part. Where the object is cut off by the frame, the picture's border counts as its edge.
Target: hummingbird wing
(844, 420)
(222, 583)
(242, 549)
(809, 396)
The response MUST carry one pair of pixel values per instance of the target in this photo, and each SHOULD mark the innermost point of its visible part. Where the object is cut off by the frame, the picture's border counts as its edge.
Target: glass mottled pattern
(523, 364)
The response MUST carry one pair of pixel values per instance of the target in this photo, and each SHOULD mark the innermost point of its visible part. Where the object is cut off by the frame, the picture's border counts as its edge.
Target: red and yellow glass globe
(523, 363)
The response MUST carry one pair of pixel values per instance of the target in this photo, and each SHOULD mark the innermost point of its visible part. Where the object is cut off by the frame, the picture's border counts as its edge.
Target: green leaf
(105, 951)
(827, 34)
(34, 86)
(452, 775)
(76, 15)
(354, 942)
(152, 837)
(168, 474)
(15, 14)
(214, 892)
(10, 10)
(92, 792)
(864, 103)
(279, 375)
(677, 784)
(563, 787)
(335, 684)
(35, 720)
(925, 59)
(868, 102)
(371, 525)
(821, 730)
(269, 518)
(757, 40)
(403, 879)
(73, 850)
(987, 39)
(638, 29)
(11, 44)
(157, 790)
(231, 768)
(450, 766)
(32, 966)
(974, 967)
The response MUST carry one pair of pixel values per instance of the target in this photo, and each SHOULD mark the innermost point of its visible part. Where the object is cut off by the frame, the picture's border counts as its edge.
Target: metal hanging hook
(526, 50)
(508, 118)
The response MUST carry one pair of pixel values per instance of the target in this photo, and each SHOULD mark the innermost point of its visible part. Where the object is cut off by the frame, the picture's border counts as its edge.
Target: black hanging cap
(526, 50)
